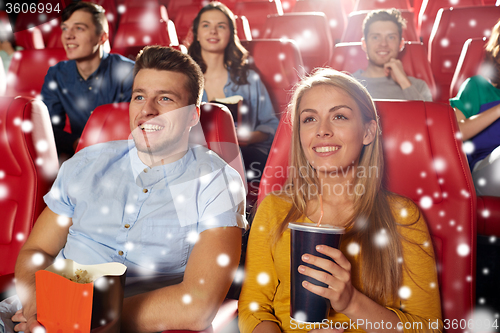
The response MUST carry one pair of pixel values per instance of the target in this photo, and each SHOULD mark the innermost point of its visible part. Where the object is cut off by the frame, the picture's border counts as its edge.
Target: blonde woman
(384, 276)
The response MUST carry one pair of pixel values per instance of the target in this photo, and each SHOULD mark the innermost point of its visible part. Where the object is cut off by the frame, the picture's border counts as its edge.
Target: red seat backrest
(174, 5)
(184, 19)
(111, 122)
(256, 13)
(354, 29)
(429, 10)
(309, 30)
(424, 162)
(28, 69)
(27, 169)
(280, 67)
(333, 11)
(469, 63)
(138, 34)
(451, 29)
(30, 39)
(381, 4)
(350, 57)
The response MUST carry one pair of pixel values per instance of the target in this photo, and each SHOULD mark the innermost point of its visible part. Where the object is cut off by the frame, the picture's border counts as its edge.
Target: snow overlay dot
(63, 221)
(223, 260)
(463, 250)
(193, 237)
(353, 248)
(26, 126)
(254, 306)
(263, 278)
(37, 259)
(445, 42)
(186, 299)
(20, 236)
(59, 264)
(468, 147)
(2, 174)
(239, 275)
(486, 271)
(39, 330)
(300, 316)
(481, 182)
(381, 238)
(42, 146)
(425, 202)
(404, 292)
(485, 213)
(3, 191)
(406, 147)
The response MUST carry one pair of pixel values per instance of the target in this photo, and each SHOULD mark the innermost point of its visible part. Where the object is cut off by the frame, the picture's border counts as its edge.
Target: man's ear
(103, 38)
(195, 117)
(363, 44)
(370, 132)
(402, 45)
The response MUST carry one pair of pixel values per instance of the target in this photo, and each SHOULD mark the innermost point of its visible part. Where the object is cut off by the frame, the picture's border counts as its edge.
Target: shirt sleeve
(418, 91)
(467, 99)
(58, 199)
(256, 300)
(64, 140)
(222, 201)
(421, 309)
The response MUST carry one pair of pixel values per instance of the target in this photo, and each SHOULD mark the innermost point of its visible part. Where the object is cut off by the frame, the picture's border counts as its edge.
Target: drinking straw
(322, 212)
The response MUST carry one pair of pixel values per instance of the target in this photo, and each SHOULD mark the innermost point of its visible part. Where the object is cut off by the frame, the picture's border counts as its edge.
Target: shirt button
(145, 170)
(145, 190)
(120, 253)
(90, 88)
(127, 225)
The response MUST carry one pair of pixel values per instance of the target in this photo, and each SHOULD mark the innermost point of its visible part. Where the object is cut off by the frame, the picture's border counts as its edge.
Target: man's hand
(394, 69)
(30, 325)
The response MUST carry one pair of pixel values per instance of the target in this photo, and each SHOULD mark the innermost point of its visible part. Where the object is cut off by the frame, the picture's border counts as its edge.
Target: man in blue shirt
(90, 78)
(171, 211)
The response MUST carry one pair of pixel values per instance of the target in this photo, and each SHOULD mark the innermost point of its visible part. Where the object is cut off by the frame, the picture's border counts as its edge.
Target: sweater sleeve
(419, 306)
(259, 288)
(418, 91)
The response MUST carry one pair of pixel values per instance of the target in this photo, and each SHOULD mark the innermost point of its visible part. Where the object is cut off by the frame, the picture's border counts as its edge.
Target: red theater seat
(429, 10)
(432, 170)
(280, 67)
(256, 13)
(333, 11)
(28, 69)
(381, 4)
(469, 63)
(350, 57)
(174, 5)
(138, 34)
(30, 39)
(184, 20)
(354, 29)
(309, 30)
(27, 169)
(451, 29)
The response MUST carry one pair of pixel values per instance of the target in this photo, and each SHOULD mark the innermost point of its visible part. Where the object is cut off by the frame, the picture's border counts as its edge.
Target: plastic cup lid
(311, 227)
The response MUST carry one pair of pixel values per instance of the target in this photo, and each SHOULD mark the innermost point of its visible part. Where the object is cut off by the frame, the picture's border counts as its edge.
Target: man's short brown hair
(164, 58)
(97, 12)
(392, 15)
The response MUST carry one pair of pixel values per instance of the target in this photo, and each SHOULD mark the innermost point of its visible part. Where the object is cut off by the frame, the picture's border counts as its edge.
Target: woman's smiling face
(332, 131)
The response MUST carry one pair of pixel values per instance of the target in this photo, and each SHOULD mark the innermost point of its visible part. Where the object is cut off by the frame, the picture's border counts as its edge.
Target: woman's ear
(370, 132)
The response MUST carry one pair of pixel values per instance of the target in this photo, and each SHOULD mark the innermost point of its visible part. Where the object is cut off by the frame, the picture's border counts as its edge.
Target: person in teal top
(477, 108)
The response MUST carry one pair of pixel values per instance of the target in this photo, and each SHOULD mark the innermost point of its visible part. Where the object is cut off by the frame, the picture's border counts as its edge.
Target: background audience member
(335, 128)
(223, 60)
(7, 47)
(385, 78)
(477, 107)
(90, 78)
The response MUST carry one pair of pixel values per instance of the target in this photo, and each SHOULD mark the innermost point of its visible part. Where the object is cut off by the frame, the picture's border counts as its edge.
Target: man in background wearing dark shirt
(90, 78)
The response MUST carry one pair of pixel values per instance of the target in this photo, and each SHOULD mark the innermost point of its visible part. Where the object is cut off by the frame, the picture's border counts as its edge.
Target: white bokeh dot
(381, 238)
(406, 147)
(192, 237)
(404, 292)
(445, 42)
(223, 260)
(300, 316)
(3, 191)
(468, 147)
(42, 146)
(472, 23)
(353, 248)
(2, 174)
(27, 126)
(20, 236)
(278, 77)
(39, 329)
(63, 221)
(404, 212)
(432, 285)
(37, 259)
(481, 181)
(426, 202)
(486, 271)
(254, 306)
(463, 250)
(234, 186)
(439, 164)
(485, 213)
(186, 299)
(263, 278)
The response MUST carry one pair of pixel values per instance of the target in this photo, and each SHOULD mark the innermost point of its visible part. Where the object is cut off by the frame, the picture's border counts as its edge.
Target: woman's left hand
(340, 290)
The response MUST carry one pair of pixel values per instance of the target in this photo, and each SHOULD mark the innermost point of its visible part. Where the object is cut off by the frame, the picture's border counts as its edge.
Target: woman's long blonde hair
(492, 55)
(382, 274)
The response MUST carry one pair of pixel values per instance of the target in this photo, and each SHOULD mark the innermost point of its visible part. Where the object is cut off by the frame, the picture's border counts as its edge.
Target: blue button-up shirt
(65, 92)
(146, 218)
(258, 113)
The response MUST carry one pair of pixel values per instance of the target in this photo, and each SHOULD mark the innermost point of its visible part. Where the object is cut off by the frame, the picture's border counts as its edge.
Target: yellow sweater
(420, 312)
